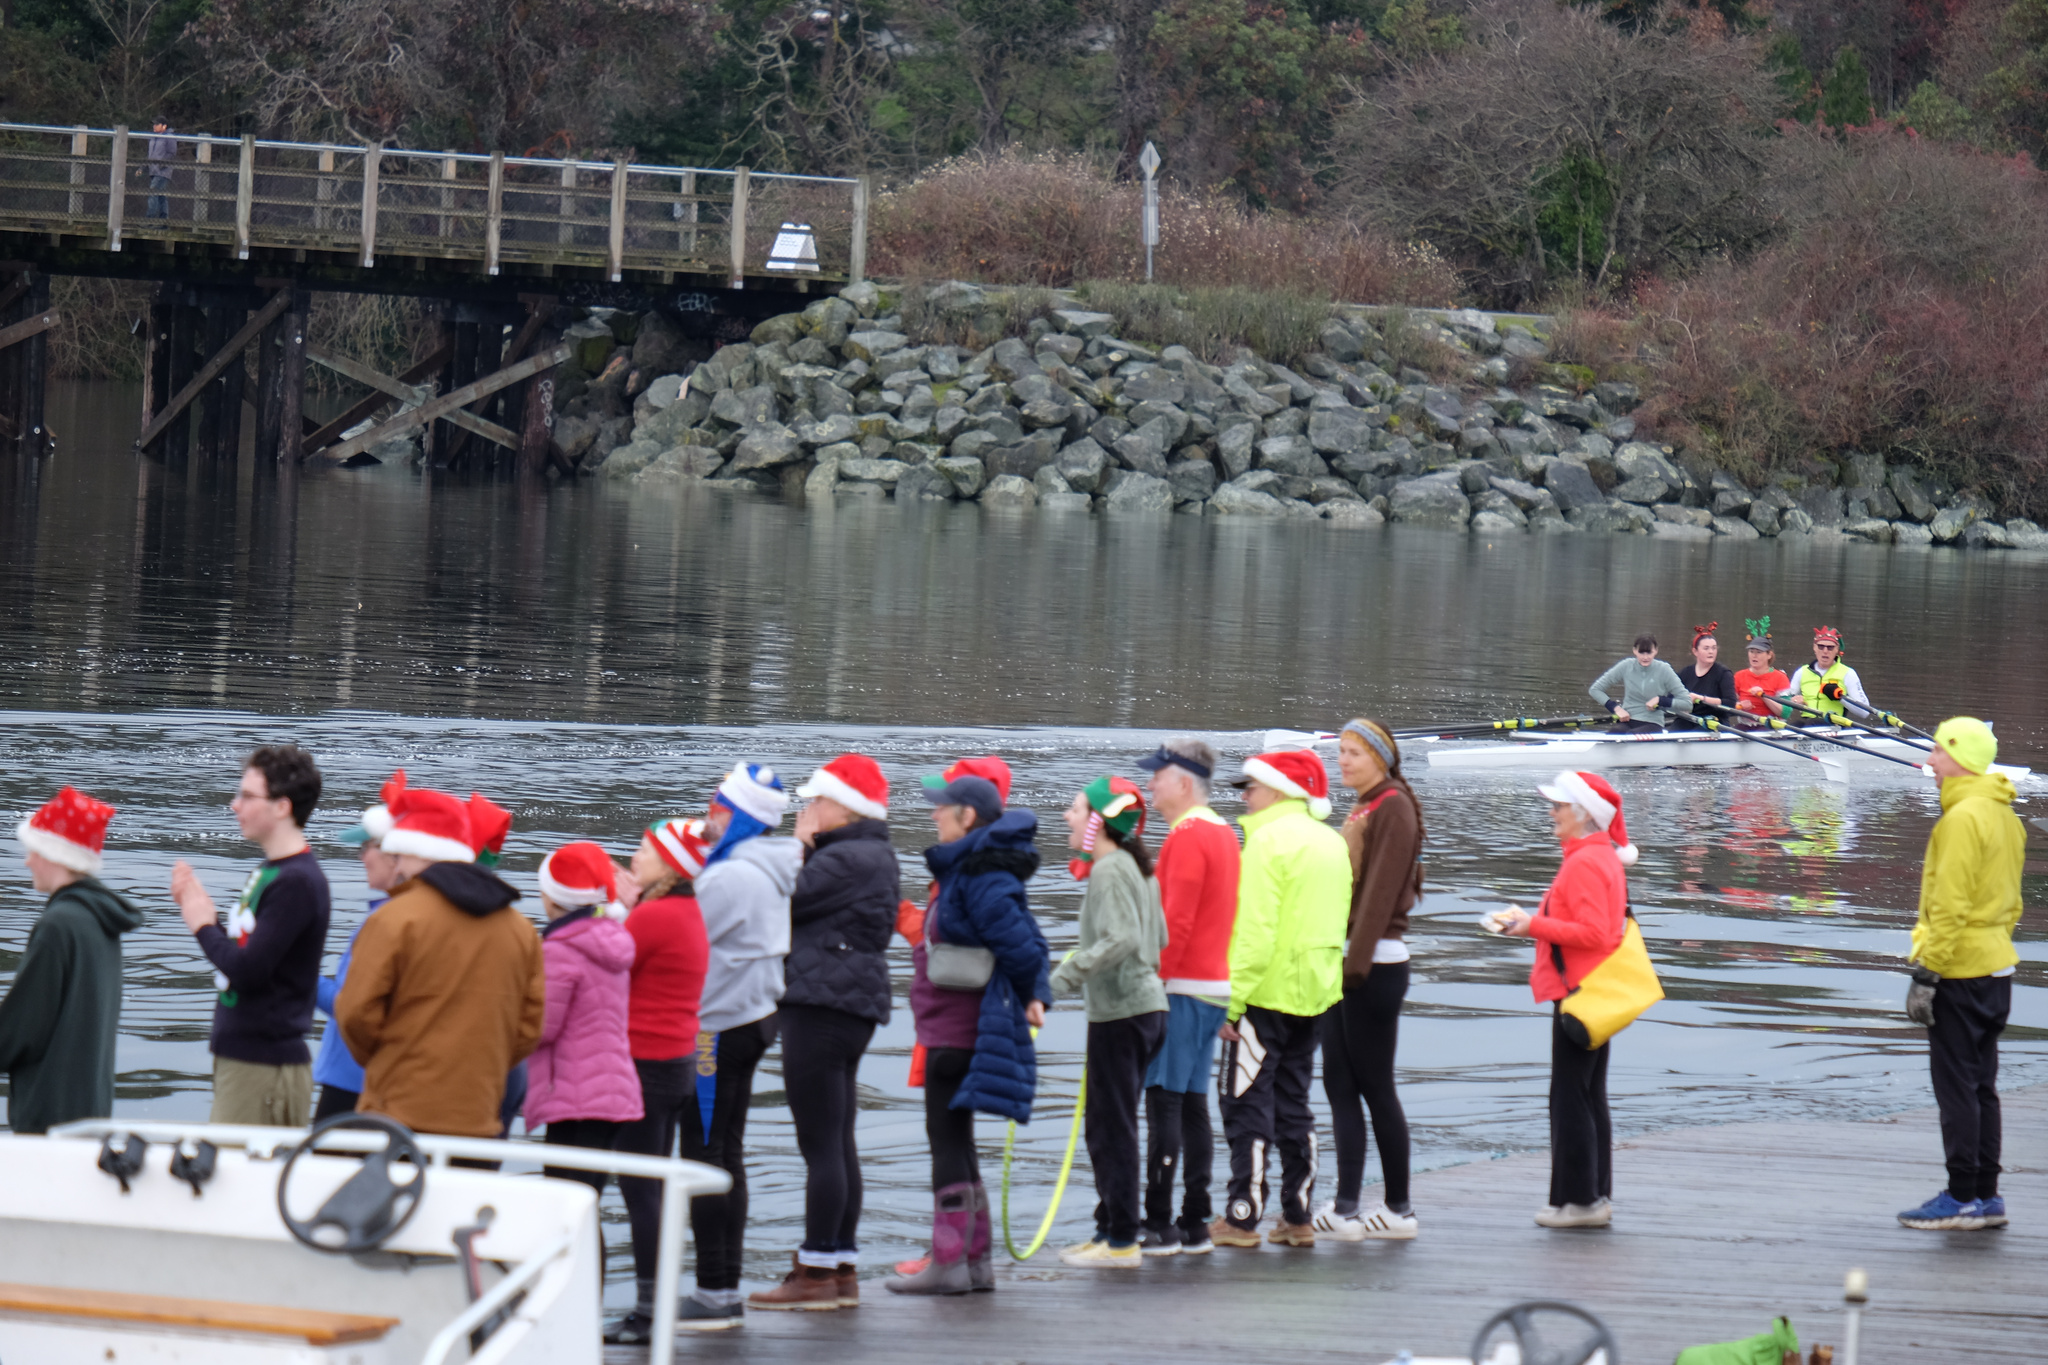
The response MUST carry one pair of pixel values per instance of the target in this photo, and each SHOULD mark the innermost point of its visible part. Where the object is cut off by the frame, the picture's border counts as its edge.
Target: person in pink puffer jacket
(580, 1079)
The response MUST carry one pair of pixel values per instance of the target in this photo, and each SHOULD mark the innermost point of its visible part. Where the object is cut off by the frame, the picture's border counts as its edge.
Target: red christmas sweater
(1197, 871)
(1773, 683)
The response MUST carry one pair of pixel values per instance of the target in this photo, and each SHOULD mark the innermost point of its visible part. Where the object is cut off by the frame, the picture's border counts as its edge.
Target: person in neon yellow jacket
(1286, 969)
(1963, 961)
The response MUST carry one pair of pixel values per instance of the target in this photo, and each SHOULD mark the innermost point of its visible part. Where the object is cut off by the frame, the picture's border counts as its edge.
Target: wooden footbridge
(239, 233)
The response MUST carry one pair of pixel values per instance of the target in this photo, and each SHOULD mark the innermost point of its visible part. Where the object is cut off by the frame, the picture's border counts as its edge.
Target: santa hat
(680, 843)
(376, 821)
(753, 789)
(579, 874)
(431, 825)
(1292, 772)
(855, 781)
(489, 823)
(70, 830)
(988, 767)
(1594, 795)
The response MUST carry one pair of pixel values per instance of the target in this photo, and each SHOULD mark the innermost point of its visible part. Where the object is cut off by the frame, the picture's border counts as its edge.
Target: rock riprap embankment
(841, 400)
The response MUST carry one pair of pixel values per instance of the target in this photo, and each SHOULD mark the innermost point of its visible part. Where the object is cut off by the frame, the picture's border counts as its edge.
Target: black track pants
(1962, 1053)
(1266, 1078)
(1581, 1132)
(1358, 1035)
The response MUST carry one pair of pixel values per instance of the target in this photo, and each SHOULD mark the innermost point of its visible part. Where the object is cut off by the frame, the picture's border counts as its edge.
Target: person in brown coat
(446, 988)
(1384, 834)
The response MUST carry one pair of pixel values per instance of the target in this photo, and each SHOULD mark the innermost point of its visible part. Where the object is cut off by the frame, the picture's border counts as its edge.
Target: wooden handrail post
(739, 228)
(618, 235)
(80, 145)
(857, 265)
(448, 195)
(494, 222)
(373, 161)
(117, 187)
(245, 195)
(565, 208)
(323, 191)
(202, 157)
(686, 237)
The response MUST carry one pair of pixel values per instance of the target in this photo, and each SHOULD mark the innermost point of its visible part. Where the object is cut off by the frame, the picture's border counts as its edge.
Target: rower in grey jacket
(1650, 690)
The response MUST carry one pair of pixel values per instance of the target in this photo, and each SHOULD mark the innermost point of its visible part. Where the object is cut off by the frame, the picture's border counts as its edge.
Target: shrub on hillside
(1901, 316)
(1056, 220)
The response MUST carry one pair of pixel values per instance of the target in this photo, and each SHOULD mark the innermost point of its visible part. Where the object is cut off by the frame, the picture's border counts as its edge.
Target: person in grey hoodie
(1116, 969)
(743, 894)
(1650, 690)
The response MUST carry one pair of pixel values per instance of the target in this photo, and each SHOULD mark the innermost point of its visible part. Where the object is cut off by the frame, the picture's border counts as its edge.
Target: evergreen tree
(1845, 94)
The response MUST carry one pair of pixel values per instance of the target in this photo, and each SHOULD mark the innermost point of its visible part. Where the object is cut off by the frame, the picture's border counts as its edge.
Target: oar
(1482, 727)
(1832, 767)
(1776, 724)
(1851, 723)
(1887, 717)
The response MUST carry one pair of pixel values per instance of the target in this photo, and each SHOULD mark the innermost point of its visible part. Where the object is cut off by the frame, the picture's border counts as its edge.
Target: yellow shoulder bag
(1613, 994)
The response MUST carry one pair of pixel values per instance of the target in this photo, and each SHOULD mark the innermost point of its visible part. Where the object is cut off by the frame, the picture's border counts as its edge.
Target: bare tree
(1555, 145)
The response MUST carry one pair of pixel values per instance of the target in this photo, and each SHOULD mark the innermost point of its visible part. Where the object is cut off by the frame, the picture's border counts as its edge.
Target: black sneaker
(634, 1329)
(1159, 1241)
(1195, 1241)
(695, 1315)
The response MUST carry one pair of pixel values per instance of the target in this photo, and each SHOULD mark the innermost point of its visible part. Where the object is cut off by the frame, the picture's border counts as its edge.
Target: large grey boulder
(745, 407)
(1075, 322)
(1870, 529)
(1675, 530)
(1601, 518)
(1494, 524)
(1734, 528)
(1824, 505)
(1351, 512)
(1500, 505)
(884, 472)
(1911, 533)
(766, 446)
(871, 346)
(1236, 438)
(1642, 490)
(1435, 500)
(1912, 495)
(2026, 535)
(1794, 521)
(1156, 386)
(1950, 522)
(828, 431)
(1641, 460)
(1007, 490)
(1986, 535)
(1290, 455)
(1192, 480)
(1764, 518)
(1144, 449)
(1235, 500)
(1083, 465)
(1572, 486)
(921, 481)
(1023, 458)
(1863, 471)
(1684, 516)
(966, 476)
(1338, 431)
(683, 464)
(1136, 493)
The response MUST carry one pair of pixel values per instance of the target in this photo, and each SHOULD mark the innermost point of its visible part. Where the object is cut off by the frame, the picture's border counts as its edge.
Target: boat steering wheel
(1521, 1324)
(370, 1205)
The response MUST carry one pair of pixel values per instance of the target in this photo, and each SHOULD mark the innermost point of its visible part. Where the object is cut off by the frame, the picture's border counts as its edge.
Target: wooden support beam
(291, 429)
(219, 361)
(445, 404)
(369, 406)
(22, 331)
(245, 195)
(494, 219)
(373, 164)
(404, 393)
(739, 228)
(34, 438)
(618, 233)
(857, 265)
(156, 365)
(215, 329)
(269, 391)
(117, 187)
(464, 371)
(537, 417)
(184, 350)
(11, 295)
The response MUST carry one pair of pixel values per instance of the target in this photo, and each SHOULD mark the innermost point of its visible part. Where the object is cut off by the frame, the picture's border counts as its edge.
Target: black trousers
(1581, 1131)
(1266, 1076)
(821, 1052)
(1118, 1053)
(602, 1134)
(1178, 1138)
(950, 1131)
(1359, 1033)
(1962, 1053)
(334, 1100)
(668, 1091)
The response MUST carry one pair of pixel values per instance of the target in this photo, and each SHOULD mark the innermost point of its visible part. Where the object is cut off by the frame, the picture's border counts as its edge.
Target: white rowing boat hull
(1692, 749)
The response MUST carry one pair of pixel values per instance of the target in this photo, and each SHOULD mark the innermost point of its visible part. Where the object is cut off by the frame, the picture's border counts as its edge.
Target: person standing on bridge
(1963, 960)
(163, 157)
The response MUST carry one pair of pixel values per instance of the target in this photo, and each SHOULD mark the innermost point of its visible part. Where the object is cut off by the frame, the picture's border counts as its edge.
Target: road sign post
(1148, 162)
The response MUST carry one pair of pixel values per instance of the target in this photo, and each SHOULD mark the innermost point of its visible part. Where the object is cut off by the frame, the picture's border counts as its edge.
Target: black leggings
(950, 1131)
(1358, 1036)
(821, 1052)
(601, 1134)
(1581, 1131)
(668, 1091)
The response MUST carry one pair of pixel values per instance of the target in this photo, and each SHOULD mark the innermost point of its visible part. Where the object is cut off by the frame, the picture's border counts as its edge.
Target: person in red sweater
(1197, 870)
(1580, 923)
(670, 954)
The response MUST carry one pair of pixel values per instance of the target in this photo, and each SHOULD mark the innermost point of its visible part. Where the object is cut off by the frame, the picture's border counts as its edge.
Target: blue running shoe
(1944, 1214)
(1993, 1211)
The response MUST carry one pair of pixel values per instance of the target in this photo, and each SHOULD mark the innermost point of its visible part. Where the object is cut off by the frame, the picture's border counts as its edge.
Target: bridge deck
(248, 199)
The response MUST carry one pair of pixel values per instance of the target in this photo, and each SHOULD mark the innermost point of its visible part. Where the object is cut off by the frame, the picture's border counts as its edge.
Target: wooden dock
(1717, 1230)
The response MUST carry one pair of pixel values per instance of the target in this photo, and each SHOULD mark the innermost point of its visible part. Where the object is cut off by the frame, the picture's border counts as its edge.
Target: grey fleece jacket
(745, 903)
(1639, 684)
(1116, 968)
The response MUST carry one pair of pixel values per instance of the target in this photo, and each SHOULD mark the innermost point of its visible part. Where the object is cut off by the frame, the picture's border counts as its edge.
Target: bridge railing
(247, 194)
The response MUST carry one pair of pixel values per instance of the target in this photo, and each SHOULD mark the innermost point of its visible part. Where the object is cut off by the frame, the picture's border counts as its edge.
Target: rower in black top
(1706, 678)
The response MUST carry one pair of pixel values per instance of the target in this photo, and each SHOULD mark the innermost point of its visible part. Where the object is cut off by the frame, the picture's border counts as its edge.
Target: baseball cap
(978, 794)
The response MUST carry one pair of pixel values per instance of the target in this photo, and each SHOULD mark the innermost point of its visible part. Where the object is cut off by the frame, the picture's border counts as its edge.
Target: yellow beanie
(1969, 741)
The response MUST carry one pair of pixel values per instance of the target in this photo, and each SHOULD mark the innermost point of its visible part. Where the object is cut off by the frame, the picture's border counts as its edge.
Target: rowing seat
(114, 1311)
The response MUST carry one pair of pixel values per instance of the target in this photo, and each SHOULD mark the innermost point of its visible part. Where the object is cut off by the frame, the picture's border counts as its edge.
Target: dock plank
(1717, 1230)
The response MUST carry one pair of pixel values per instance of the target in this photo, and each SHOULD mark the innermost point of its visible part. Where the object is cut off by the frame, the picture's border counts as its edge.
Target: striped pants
(1264, 1096)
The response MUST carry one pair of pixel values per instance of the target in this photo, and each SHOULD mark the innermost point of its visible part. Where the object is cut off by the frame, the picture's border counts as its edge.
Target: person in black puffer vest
(836, 990)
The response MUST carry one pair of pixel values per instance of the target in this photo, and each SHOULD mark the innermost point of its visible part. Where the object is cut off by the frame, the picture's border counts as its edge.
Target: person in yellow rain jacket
(1963, 961)
(1286, 969)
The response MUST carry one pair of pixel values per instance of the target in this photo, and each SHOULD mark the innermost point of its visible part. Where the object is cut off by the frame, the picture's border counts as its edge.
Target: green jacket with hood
(58, 1022)
(1293, 905)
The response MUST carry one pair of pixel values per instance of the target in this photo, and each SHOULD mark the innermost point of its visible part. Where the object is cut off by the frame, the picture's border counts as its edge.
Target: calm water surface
(593, 659)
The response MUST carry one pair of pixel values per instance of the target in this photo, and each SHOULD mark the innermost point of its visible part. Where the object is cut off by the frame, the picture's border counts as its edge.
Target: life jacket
(1810, 684)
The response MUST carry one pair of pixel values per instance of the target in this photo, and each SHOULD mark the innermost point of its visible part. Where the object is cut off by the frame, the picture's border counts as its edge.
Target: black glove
(1920, 997)
(1831, 690)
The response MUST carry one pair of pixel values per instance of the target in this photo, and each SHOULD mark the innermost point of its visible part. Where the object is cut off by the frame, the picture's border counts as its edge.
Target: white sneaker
(1595, 1215)
(1383, 1224)
(1338, 1227)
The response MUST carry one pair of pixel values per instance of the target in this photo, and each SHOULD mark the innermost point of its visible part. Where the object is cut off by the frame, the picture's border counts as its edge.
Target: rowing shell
(1692, 749)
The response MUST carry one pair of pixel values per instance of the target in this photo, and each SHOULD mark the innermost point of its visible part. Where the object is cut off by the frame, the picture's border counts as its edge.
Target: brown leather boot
(847, 1277)
(1288, 1234)
(805, 1289)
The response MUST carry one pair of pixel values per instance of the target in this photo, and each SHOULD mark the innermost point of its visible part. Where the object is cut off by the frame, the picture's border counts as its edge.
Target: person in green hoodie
(58, 1022)
(1286, 969)
(1963, 960)
(1116, 969)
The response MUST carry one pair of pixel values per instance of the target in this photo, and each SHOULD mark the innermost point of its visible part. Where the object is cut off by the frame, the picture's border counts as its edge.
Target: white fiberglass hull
(1688, 749)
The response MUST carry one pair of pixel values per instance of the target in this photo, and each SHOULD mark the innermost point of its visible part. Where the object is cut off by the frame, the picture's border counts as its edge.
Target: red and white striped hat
(855, 781)
(1292, 772)
(1594, 795)
(680, 842)
(431, 825)
(579, 874)
(70, 830)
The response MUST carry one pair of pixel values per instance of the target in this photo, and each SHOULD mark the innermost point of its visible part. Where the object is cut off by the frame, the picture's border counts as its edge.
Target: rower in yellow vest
(1826, 684)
